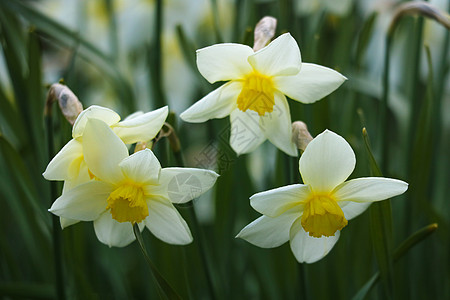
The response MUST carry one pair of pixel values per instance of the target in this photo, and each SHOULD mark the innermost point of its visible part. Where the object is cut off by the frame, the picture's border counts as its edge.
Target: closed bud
(300, 135)
(69, 104)
(264, 32)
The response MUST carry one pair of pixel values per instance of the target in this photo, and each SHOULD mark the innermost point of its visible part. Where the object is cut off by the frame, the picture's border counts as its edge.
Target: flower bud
(69, 104)
(264, 32)
(300, 135)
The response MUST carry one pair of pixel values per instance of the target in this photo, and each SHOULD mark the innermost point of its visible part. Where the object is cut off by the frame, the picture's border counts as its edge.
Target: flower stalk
(196, 228)
(165, 291)
(56, 234)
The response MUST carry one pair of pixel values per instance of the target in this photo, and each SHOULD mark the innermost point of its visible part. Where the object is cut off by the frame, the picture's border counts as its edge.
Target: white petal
(245, 135)
(369, 189)
(224, 62)
(64, 165)
(267, 232)
(84, 202)
(181, 185)
(141, 167)
(93, 112)
(141, 128)
(134, 115)
(353, 209)
(217, 104)
(327, 162)
(83, 177)
(274, 202)
(280, 57)
(113, 233)
(309, 249)
(103, 151)
(277, 126)
(166, 223)
(67, 222)
(312, 83)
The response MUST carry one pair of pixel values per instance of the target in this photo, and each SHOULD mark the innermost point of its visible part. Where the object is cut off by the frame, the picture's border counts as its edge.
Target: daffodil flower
(254, 96)
(69, 164)
(311, 215)
(130, 190)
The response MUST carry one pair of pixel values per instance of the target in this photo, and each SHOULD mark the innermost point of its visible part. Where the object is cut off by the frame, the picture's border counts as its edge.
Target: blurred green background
(140, 55)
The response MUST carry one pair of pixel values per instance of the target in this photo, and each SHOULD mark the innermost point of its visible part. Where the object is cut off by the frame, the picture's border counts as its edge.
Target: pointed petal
(113, 233)
(224, 61)
(166, 223)
(309, 249)
(181, 185)
(277, 126)
(141, 167)
(370, 189)
(280, 57)
(93, 112)
(64, 165)
(267, 232)
(103, 151)
(327, 162)
(217, 104)
(67, 222)
(84, 202)
(274, 202)
(312, 83)
(141, 128)
(245, 135)
(353, 209)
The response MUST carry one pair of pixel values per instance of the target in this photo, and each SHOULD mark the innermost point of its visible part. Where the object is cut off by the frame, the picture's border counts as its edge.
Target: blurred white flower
(254, 97)
(311, 215)
(336, 7)
(130, 190)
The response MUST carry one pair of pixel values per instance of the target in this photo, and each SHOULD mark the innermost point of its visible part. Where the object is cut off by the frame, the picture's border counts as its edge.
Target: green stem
(302, 281)
(156, 59)
(165, 291)
(196, 228)
(385, 109)
(215, 12)
(56, 236)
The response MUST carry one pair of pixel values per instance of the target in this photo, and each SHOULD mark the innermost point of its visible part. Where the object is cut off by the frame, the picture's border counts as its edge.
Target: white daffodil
(69, 164)
(311, 215)
(130, 190)
(254, 97)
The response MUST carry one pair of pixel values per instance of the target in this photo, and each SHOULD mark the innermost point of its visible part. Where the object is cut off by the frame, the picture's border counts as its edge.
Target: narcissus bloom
(69, 164)
(311, 215)
(254, 96)
(130, 190)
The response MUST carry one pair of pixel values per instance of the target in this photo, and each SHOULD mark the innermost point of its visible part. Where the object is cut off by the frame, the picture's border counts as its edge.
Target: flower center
(322, 216)
(127, 204)
(257, 94)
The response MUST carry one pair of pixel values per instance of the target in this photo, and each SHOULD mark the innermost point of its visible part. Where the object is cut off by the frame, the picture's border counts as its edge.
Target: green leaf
(401, 250)
(381, 230)
(70, 38)
(364, 37)
(27, 290)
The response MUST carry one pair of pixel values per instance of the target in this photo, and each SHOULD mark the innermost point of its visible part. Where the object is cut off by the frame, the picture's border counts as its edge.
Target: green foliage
(405, 111)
